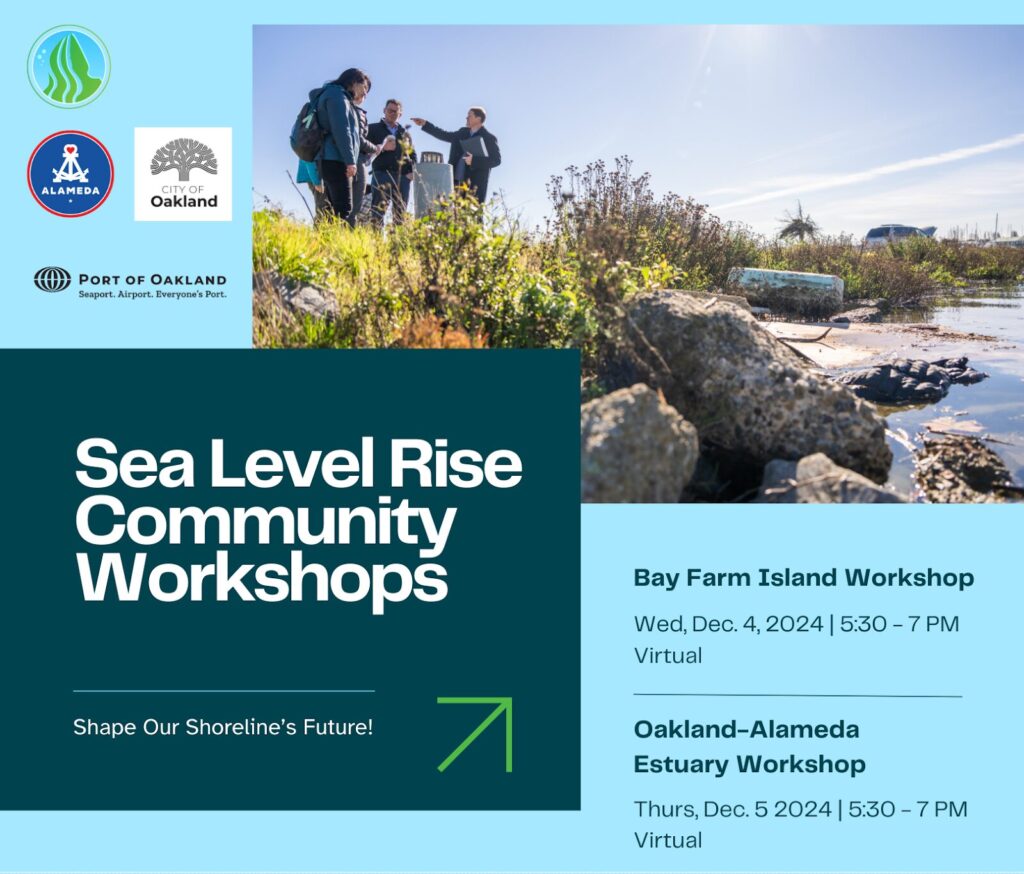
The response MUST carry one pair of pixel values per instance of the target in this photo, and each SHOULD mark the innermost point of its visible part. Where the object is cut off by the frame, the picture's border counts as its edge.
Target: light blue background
(957, 750)
(190, 66)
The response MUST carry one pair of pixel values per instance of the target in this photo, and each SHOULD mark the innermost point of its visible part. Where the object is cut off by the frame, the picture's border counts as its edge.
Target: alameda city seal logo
(68, 66)
(70, 174)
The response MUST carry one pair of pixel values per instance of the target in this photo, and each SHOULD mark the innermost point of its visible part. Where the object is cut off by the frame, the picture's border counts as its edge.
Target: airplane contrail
(884, 170)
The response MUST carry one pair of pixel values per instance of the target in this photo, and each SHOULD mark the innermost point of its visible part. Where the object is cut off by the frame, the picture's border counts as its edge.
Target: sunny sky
(862, 125)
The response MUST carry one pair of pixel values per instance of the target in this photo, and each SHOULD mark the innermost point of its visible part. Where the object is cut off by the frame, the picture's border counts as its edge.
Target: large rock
(634, 449)
(788, 291)
(711, 298)
(816, 480)
(859, 315)
(910, 381)
(957, 469)
(958, 371)
(294, 297)
(744, 390)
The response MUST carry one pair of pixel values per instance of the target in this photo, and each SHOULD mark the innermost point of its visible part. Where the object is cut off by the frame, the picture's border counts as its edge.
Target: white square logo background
(168, 184)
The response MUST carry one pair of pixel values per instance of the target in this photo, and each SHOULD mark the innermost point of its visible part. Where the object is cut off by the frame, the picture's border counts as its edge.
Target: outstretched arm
(446, 135)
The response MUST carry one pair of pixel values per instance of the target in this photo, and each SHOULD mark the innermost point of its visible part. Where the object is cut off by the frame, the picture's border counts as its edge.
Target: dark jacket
(480, 169)
(337, 115)
(400, 161)
(367, 149)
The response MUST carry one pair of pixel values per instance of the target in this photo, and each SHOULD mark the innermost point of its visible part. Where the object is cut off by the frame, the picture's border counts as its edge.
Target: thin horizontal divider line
(223, 691)
(777, 695)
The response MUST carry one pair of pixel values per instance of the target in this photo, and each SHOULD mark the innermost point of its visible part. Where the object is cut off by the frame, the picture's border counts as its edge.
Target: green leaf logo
(69, 66)
(70, 81)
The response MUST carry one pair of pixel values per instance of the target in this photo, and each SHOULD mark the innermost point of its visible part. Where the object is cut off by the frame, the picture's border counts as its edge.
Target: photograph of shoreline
(791, 258)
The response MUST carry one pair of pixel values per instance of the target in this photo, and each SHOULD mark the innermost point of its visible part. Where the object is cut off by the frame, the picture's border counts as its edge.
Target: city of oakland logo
(70, 174)
(68, 66)
(184, 155)
(183, 174)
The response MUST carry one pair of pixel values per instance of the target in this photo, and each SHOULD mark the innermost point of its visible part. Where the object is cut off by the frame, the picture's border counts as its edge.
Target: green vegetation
(798, 226)
(69, 75)
(901, 274)
(464, 278)
(456, 278)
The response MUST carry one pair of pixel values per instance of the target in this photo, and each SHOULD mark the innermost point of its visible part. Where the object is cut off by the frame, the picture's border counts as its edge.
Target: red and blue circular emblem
(70, 174)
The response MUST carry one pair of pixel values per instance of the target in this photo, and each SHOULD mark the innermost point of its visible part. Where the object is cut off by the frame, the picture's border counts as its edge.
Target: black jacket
(480, 169)
(400, 161)
(366, 146)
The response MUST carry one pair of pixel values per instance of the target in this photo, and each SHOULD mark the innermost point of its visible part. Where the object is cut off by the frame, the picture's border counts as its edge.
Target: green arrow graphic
(504, 705)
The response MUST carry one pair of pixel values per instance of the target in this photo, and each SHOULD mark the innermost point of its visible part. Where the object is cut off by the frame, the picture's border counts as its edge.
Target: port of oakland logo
(70, 174)
(68, 66)
(52, 279)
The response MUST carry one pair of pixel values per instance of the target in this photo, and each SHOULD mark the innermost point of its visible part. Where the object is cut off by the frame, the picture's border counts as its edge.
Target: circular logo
(52, 279)
(68, 66)
(70, 173)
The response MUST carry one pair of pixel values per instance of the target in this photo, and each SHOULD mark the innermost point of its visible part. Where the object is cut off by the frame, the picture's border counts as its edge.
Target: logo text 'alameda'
(70, 174)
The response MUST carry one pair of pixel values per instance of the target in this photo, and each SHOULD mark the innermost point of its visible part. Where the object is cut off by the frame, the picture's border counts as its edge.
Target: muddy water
(993, 408)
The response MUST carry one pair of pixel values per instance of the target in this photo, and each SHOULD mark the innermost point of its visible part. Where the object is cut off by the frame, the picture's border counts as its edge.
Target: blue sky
(864, 125)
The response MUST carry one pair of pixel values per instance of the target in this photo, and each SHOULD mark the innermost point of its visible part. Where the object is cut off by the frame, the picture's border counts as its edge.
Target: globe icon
(52, 279)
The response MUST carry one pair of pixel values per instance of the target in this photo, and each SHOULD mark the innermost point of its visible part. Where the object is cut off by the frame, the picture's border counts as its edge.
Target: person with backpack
(338, 118)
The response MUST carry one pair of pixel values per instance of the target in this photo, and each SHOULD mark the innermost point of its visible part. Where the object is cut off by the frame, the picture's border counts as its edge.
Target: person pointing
(469, 170)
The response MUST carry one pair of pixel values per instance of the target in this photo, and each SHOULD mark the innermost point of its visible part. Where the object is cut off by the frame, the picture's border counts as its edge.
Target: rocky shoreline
(711, 405)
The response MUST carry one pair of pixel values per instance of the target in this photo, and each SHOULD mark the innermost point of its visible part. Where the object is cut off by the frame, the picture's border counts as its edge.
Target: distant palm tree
(800, 226)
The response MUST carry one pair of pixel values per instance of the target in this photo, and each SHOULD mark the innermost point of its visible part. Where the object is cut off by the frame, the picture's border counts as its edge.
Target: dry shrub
(430, 332)
(596, 204)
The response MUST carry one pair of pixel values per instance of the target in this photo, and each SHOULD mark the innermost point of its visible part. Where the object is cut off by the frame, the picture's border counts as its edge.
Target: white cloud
(840, 180)
(966, 194)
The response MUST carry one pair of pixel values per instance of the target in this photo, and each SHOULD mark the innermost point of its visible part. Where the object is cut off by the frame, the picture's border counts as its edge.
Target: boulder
(816, 480)
(787, 291)
(859, 315)
(958, 371)
(744, 390)
(634, 449)
(958, 469)
(710, 298)
(294, 297)
(909, 381)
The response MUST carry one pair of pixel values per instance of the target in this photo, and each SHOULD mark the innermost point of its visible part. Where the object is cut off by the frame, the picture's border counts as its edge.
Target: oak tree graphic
(184, 155)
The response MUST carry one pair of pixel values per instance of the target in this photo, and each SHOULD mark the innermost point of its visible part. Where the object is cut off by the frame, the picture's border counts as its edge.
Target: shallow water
(996, 404)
